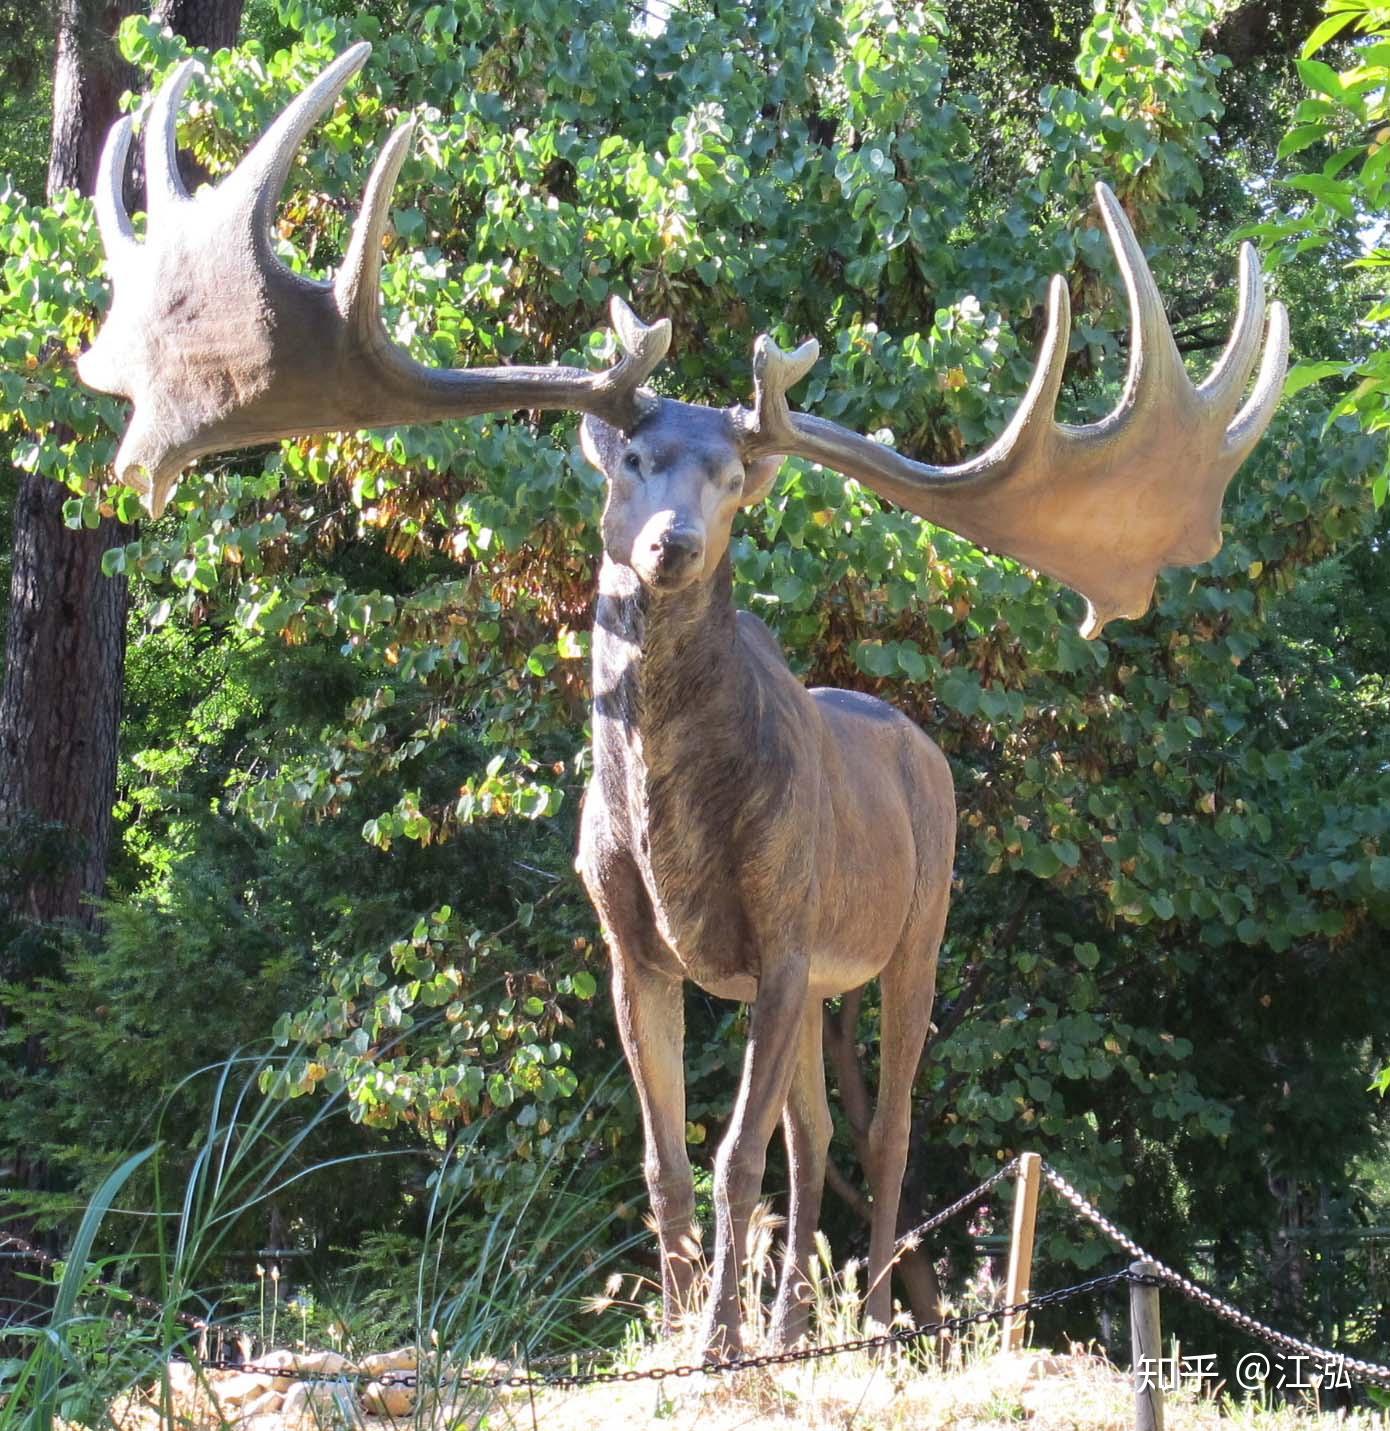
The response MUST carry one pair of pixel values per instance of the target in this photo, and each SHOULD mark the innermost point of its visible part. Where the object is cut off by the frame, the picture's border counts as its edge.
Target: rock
(296, 1402)
(402, 1359)
(320, 1403)
(182, 1377)
(240, 1387)
(388, 1398)
(323, 1363)
(282, 1360)
(261, 1404)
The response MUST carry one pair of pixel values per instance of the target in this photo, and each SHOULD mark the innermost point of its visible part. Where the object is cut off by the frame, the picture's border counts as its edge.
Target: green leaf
(1041, 860)
(1336, 195)
(1333, 25)
(75, 1273)
(911, 661)
(1299, 138)
(1303, 375)
(1320, 77)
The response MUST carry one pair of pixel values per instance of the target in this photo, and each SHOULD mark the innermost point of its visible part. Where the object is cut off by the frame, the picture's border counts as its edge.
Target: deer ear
(594, 437)
(758, 478)
(590, 442)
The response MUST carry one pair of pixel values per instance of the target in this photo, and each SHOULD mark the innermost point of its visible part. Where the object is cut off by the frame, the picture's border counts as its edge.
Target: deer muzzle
(669, 552)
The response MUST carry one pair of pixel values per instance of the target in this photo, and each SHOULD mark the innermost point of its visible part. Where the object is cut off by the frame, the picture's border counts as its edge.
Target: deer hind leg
(907, 987)
(774, 1028)
(807, 1126)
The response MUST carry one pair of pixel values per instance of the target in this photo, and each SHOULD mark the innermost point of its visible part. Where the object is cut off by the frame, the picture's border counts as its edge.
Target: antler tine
(643, 347)
(358, 284)
(768, 425)
(1035, 420)
(163, 181)
(1250, 422)
(117, 234)
(1227, 380)
(220, 345)
(264, 170)
(1154, 361)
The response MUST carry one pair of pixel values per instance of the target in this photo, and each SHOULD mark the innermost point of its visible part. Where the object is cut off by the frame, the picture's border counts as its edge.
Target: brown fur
(772, 844)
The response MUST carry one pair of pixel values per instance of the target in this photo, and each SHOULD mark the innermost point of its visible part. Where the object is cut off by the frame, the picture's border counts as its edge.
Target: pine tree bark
(60, 696)
(210, 24)
(60, 700)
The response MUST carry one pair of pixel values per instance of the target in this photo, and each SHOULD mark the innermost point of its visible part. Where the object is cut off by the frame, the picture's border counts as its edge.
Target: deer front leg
(774, 1029)
(651, 1022)
(650, 1008)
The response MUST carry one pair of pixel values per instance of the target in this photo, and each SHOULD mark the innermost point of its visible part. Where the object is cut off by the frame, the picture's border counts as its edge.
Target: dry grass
(967, 1384)
(1075, 1391)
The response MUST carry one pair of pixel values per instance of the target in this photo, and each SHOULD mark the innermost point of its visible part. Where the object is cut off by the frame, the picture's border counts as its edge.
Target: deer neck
(671, 681)
(677, 764)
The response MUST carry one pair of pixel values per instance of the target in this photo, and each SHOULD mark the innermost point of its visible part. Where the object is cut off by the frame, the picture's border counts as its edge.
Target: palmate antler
(1101, 507)
(220, 345)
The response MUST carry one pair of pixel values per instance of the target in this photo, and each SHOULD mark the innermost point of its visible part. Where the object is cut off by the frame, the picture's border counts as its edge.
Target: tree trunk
(210, 24)
(89, 76)
(914, 1268)
(60, 702)
(60, 697)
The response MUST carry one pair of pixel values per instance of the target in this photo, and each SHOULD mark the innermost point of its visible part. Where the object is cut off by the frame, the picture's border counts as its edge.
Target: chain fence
(905, 1336)
(1366, 1371)
(1162, 1275)
(20, 1250)
(910, 1239)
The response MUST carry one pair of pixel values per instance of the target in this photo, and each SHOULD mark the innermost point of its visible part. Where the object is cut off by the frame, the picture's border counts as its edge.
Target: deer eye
(632, 464)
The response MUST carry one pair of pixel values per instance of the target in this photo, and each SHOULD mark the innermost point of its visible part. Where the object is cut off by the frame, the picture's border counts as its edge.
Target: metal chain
(513, 1381)
(947, 1213)
(1364, 1370)
(145, 1304)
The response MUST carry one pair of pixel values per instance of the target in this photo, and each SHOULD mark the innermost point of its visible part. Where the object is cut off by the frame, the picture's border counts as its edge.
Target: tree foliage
(1344, 123)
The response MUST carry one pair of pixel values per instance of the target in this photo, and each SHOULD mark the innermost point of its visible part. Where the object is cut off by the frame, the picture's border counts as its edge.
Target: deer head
(677, 477)
(220, 345)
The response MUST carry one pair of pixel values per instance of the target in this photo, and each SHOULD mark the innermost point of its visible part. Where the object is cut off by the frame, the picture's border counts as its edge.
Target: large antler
(220, 345)
(1101, 507)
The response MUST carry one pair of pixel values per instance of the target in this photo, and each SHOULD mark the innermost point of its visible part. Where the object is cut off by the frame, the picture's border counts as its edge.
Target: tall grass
(527, 1267)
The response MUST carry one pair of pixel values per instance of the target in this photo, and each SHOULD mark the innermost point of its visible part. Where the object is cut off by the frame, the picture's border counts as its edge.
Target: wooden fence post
(1146, 1347)
(1021, 1246)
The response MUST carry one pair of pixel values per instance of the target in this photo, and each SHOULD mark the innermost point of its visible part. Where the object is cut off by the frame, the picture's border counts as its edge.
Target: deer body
(739, 795)
(772, 844)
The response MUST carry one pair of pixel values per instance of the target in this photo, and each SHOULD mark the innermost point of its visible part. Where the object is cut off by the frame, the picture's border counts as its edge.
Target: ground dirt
(1074, 1391)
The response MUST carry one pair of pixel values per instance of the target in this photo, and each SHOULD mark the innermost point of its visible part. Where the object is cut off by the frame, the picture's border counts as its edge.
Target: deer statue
(775, 845)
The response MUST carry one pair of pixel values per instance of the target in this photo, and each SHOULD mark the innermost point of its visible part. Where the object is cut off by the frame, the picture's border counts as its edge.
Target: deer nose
(676, 549)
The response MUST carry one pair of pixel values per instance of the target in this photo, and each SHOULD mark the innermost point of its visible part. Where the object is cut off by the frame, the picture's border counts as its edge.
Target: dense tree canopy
(354, 741)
